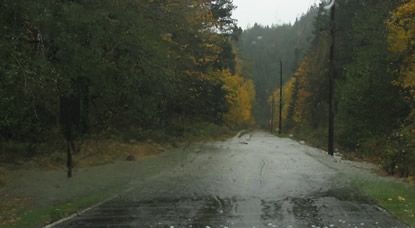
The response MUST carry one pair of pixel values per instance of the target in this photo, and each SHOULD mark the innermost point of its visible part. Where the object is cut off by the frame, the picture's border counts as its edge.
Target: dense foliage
(117, 67)
(264, 47)
(131, 68)
(374, 103)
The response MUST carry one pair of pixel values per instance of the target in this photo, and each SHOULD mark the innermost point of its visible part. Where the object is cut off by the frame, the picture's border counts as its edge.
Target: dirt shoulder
(38, 191)
(394, 195)
(102, 168)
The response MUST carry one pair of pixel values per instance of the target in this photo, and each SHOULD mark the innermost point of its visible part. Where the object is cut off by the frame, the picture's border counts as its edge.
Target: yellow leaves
(402, 39)
(11, 209)
(241, 94)
(301, 105)
(398, 40)
(166, 37)
(288, 91)
(411, 179)
(400, 198)
(209, 45)
(208, 59)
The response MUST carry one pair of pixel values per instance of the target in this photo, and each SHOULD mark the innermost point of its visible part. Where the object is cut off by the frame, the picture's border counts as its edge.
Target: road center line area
(256, 180)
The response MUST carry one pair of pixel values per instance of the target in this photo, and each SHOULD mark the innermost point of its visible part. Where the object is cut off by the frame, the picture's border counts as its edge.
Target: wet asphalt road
(257, 180)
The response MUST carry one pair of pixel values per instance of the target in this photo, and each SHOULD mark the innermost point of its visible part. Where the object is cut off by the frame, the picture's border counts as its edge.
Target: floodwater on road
(257, 180)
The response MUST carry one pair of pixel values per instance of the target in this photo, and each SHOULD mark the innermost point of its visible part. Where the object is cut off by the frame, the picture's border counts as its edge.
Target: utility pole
(280, 123)
(269, 119)
(332, 75)
(272, 113)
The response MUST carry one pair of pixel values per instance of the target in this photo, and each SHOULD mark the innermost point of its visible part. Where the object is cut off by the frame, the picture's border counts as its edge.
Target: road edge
(78, 213)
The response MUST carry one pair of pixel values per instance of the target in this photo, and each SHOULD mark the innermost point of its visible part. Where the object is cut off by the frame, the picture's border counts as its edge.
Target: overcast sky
(268, 12)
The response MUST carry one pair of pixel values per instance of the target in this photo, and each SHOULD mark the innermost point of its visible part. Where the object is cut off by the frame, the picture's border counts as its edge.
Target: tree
(124, 66)
(401, 38)
(265, 46)
(368, 85)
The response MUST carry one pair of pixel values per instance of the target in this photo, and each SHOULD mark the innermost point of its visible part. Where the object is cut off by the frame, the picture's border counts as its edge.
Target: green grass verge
(314, 137)
(282, 135)
(205, 129)
(36, 217)
(397, 198)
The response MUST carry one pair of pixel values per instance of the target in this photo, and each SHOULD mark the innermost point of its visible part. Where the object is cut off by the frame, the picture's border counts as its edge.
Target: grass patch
(397, 198)
(99, 152)
(245, 132)
(206, 131)
(104, 149)
(313, 137)
(21, 215)
(2, 177)
(282, 135)
(91, 152)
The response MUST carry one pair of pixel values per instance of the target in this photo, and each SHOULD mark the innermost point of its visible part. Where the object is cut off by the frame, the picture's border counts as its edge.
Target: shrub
(399, 154)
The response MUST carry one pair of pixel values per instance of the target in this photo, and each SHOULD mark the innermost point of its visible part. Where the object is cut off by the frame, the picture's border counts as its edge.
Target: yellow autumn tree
(275, 97)
(193, 43)
(301, 105)
(288, 94)
(241, 94)
(287, 100)
(402, 42)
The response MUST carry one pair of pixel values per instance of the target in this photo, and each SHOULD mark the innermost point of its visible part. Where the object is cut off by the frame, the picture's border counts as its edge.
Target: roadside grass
(100, 149)
(282, 135)
(206, 131)
(2, 177)
(16, 215)
(244, 132)
(316, 138)
(397, 198)
(21, 212)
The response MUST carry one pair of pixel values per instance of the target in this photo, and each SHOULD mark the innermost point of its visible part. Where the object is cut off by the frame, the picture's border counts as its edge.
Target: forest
(138, 68)
(374, 101)
(126, 69)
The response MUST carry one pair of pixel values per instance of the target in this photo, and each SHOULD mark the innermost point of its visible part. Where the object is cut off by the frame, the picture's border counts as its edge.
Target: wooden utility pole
(280, 123)
(332, 75)
(272, 113)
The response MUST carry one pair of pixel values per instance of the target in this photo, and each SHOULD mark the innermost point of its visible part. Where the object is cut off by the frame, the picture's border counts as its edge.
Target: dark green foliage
(399, 154)
(372, 112)
(370, 106)
(266, 46)
(123, 62)
(222, 12)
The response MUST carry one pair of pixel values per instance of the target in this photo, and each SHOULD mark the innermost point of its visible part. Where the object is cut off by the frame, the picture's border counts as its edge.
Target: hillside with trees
(264, 46)
(124, 69)
(138, 103)
(374, 83)
(135, 69)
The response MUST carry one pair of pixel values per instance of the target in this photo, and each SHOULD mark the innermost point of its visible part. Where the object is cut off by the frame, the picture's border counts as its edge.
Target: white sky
(269, 12)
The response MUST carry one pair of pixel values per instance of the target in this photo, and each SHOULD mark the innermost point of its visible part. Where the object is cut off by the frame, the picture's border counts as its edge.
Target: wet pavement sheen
(257, 180)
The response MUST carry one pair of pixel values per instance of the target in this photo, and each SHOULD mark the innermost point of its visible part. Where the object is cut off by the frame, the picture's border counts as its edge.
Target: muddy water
(257, 180)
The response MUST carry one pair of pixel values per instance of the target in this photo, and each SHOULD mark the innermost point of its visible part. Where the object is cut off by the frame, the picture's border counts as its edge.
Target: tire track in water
(261, 174)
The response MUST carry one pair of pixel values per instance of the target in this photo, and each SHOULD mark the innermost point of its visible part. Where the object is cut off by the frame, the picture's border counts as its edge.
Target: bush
(2, 177)
(399, 154)
(13, 151)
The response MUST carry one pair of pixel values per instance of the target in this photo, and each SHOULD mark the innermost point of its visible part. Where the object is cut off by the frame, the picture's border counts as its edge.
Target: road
(257, 180)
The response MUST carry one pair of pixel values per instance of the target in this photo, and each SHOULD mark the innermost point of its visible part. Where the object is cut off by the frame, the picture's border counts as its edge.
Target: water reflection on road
(257, 180)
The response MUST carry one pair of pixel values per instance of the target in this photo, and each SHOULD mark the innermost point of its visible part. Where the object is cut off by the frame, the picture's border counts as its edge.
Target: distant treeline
(264, 47)
(108, 67)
